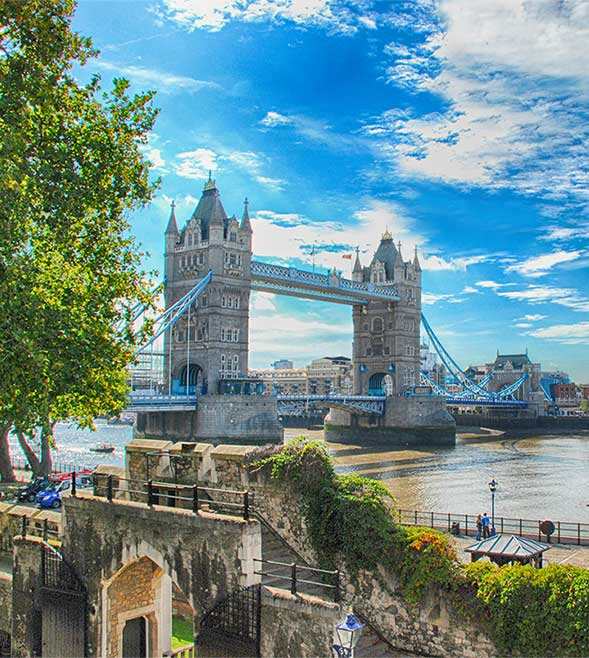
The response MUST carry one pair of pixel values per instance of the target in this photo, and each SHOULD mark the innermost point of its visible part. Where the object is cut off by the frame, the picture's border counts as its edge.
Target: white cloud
(196, 164)
(454, 264)
(534, 294)
(556, 233)
(273, 119)
(533, 317)
(343, 16)
(492, 284)
(469, 290)
(571, 334)
(538, 266)
(430, 298)
(516, 100)
(161, 80)
(523, 325)
(262, 301)
(154, 155)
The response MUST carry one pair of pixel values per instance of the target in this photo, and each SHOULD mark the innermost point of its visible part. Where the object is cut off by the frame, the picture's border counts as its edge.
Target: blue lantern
(348, 634)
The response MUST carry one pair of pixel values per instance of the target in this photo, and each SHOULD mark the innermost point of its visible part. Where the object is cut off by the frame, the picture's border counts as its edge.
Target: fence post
(150, 492)
(449, 522)
(466, 524)
(415, 517)
(195, 498)
(24, 525)
(246, 505)
(45, 530)
(74, 483)
(109, 488)
(293, 578)
(336, 591)
(579, 534)
(501, 525)
(558, 525)
(432, 523)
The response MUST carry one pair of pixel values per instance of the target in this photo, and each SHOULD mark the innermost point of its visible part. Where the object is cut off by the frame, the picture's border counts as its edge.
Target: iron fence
(565, 532)
(294, 579)
(48, 531)
(168, 494)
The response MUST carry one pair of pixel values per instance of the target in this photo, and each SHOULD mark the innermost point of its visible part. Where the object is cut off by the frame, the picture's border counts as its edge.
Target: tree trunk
(6, 470)
(46, 457)
(29, 453)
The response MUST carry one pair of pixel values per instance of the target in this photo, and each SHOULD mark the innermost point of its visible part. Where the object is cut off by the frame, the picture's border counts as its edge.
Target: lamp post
(348, 633)
(493, 488)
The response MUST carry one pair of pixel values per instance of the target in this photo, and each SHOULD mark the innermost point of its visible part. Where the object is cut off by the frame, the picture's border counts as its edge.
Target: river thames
(539, 476)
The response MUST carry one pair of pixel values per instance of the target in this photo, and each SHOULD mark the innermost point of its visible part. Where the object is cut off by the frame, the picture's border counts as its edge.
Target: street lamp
(348, 634)
(493, 488)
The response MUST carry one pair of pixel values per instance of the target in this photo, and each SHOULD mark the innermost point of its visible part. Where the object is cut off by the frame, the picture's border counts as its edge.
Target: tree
(584, 406)
(71, 171)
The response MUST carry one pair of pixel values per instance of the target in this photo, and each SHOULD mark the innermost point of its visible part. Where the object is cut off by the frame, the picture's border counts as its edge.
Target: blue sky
(459, 125)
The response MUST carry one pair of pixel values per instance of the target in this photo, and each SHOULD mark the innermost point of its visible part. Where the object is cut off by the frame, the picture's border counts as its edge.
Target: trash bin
(455, 528)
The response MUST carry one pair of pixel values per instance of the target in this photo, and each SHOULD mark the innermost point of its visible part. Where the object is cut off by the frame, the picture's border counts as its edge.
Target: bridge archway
(380, 383)
(191, 374)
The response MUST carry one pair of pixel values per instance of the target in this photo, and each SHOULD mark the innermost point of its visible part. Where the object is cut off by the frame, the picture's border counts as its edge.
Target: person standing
(479, 527)
(486, 521)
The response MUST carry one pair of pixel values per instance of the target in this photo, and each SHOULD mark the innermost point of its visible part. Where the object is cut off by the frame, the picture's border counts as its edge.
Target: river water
(539, 476)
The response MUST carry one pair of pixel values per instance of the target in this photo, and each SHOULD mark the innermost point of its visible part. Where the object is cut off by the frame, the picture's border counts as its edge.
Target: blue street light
(348, 634)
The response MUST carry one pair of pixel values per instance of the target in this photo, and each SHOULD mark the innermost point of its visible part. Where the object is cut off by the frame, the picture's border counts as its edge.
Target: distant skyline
(459, 125)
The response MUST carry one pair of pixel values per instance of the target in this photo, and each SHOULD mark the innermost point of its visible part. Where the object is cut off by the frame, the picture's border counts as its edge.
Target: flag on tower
(347, 256)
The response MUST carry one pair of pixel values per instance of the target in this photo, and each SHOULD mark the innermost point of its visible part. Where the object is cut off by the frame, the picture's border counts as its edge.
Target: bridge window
(368, 351)
(410, 350)
(377, 325)
(387, 349)
(190, 239)
(233, 236)
(223, 301)
(365, 326)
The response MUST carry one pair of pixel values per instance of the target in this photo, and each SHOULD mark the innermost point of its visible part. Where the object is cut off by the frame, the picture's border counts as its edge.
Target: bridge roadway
(314, 285)
(297, 405)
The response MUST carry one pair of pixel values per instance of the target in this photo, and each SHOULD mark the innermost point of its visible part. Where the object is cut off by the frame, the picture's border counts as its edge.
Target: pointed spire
(357, 264)
(245, 219)
(172, 225)
(416, 263)
(386, 235)
(399, 250)
(210, 184)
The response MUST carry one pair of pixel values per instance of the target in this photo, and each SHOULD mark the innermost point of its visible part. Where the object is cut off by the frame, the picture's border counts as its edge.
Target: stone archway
(191, 374)
(381, 383)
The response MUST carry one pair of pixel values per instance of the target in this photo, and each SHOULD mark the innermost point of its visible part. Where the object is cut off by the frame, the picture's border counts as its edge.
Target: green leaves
(71, 170)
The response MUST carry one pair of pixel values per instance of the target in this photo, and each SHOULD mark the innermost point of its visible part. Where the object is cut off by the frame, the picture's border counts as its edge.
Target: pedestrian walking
(479, 527)
(486, 521)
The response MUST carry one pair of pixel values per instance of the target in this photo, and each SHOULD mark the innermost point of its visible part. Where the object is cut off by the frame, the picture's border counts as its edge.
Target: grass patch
(182, 633)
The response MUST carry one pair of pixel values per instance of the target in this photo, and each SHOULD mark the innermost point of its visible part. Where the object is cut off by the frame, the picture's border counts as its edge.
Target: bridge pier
(407, 422)
(245, 419)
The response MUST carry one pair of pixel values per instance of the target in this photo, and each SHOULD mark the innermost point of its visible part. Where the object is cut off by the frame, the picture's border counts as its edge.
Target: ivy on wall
(532, 612)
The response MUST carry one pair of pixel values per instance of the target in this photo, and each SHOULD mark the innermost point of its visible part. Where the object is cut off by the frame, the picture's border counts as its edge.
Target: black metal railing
(45, 529)
(297, 576)
(169, 494)
(21, 464)
(565, 532)
(235, 617)
(57, 574)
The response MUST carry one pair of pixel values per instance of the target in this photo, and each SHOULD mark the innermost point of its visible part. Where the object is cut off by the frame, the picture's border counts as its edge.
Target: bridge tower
(212, 344)
(385, 351)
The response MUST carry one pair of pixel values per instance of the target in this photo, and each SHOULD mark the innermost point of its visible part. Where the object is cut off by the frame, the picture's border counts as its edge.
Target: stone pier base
(415, 421)
(218, 419)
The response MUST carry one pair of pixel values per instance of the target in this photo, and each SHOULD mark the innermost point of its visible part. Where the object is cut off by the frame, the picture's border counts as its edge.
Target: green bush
(533, 612)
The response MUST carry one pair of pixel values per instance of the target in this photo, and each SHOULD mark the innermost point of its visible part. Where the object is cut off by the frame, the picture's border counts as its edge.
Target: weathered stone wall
(218, 419)
(5, 602)
(411, 421)
(26, 604)
(205, 555)
(11, 515)
(296, 626)
(431, 628)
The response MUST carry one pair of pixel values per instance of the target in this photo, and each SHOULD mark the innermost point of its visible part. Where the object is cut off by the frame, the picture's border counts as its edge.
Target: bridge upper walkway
(314, 285)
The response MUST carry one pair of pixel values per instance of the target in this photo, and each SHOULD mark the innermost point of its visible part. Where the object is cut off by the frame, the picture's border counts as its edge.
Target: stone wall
(431, 628)
(11, 515)
(411, 421)
(296, 626)
(205, 555)
(26, 603)
(5, 602)
(218, 419)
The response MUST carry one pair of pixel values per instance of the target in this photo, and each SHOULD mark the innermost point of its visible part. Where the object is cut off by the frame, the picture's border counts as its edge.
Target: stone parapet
(5, 602)
(300, 625)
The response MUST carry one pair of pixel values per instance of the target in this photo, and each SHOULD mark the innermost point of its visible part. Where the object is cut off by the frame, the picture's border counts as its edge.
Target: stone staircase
(277, 550)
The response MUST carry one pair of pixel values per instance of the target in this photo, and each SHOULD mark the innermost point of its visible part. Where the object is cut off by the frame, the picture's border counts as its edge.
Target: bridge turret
(357, 271)
(172, 236)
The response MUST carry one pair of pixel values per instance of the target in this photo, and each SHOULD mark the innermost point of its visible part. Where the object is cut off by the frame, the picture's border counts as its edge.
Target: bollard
(195, 498)
(246, 505)
(24, 525)
(45, 530)
(73, 483)
(109, 488)
(150, 492)
(293, 578)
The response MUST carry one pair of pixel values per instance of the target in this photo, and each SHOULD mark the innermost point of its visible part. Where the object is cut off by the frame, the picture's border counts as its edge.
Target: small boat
(103, 447)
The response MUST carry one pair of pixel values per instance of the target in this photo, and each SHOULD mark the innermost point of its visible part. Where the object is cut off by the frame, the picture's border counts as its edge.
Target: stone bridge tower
(214, 344)
(386, 335)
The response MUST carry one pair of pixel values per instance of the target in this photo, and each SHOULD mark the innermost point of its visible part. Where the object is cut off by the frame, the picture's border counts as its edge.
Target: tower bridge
(199, 349)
